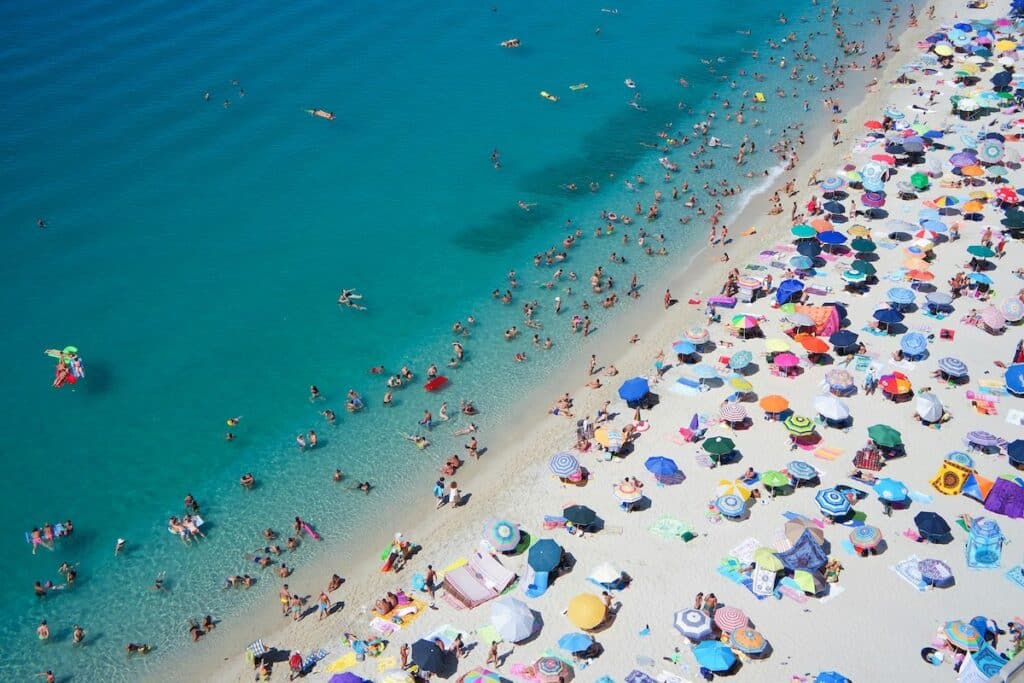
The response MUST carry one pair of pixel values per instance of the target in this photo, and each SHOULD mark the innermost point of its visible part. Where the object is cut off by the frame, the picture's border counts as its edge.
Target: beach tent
(977, 487)
(1006, 498)
(805, 554)
(950, 478)
(984, 544)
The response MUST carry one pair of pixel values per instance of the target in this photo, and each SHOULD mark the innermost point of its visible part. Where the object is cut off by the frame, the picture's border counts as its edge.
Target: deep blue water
(194, 254)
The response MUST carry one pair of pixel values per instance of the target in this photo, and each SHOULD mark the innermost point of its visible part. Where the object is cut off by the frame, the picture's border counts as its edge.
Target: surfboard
(579, 86)
(548, 96)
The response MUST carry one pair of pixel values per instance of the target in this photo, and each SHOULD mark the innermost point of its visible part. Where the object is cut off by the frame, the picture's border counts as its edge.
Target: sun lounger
(537, 586)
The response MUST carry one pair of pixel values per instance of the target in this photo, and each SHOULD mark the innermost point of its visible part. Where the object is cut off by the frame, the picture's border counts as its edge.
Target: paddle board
(548, 96)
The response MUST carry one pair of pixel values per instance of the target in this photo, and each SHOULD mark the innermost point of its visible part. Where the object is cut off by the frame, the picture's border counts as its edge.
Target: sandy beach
(872, 623)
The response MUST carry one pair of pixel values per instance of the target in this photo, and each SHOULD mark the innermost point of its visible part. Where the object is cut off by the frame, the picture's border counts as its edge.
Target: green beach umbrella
(980, 250)
(774, 479)
(803, 231)
(919, 180)
(808, 582)
(798, 425)
(863, 267)
(884, 435)
(719, 445)
(765, 558)
(863, 245)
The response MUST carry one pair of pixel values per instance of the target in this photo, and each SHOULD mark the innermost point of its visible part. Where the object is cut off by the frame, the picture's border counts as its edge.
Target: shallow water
(194, 253)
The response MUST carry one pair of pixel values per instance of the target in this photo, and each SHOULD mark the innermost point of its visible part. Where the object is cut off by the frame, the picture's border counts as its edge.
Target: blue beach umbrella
(980, 278)
(660, 466)
(704, 371)
(934, 225)
(831, 183)
(684, 347)
(801, 262)
(832, 502)
(545, 555)
(564, 464)
(938, 298)
(831, 677)
(634, 389)
(853, 276)
(960, 458)
(891, 490)
(714, 655)
(901, 295)
(740, 360)
(809, 248)
(731, 505)
(953, 367)
(787, 289)
(843, 338)
(831, 237)
(503, 535)
(692, 623)
(575, 642)
(798, 469)
(914, 344)
(887, 316)
(1014, 379)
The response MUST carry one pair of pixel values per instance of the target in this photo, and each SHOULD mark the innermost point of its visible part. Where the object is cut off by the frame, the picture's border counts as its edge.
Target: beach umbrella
(544, 555)
(749, 282)
(981, 251)
(773, 479)
(798, 425)
(900, 226)
(920, 180)
(872, 124)
(873, 170)
(831, 237)
(891, 489)
(895, 383)
(842, 339)
(634, 389)
(1012, 309)
(982, 439)
(551, 669)
(513, 619)
(834, 207)
(914, 344)
(683, 347)
(831, 183)
(606, 573)
(731, 505)
(928, 407)
(866, 536)
(858, 231)
(729, 618)
(714, 656)
(872, 200)
(992, 318)
(933, 225)
(740, 384)
(776, 345)
(813, 344)
(801, 262)
(798, 469)
(774, 403)
(704, 371)
(564, 464)
(728, 487)
(798, 526)
(936, 573)
(960, 458)
(733, 412)
(832, 502)
(900, 295)
(575, 642)
(1013, 378)
(803, 231)
(661, 466)
(885, 436)
(786, 360)
(808, 581)
(719, 445)
(839, 378)
(748, 641)
(743, 322)
(920, 275)
(502, 534)
(991, 151)
(831, 408)
(863, 245)
(692, 624)
(980, 279)
(428, 656)
(1005, 45)
(586, 611)
(800, 319)
(740, 360)
(887, 316)
(938, 298)
(963, 635)
(931, 525)
(765, 558)
(697, 334)
(579, 514)
(1007, 195)
(831, 677)
(628, 492)
(480, 675)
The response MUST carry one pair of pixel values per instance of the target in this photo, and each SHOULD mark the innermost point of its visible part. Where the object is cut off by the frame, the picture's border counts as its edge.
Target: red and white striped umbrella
(730, 618)
(733, 412)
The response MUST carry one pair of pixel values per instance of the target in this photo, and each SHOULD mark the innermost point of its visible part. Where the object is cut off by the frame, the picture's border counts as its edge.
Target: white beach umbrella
(831, 408)
(929, 407)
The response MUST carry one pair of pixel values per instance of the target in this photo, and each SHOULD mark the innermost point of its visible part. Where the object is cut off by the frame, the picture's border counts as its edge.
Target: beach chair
(537, 586)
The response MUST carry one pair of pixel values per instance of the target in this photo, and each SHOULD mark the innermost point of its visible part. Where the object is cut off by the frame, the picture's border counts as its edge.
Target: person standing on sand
(593, 364)
(454, 495)
(285, 596)
(403, 653)
(668, 298)
(430, 582)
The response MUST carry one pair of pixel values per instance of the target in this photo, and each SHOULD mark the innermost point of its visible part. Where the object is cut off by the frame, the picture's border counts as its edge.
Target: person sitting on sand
(594, 383)
(611, 371)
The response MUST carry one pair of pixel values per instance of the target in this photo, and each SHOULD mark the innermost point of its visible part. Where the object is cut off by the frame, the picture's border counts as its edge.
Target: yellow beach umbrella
(973, 206)
(858, 231)
(981, 194)
(1005, 45)
(740, 384)
(776, 345)
(728, 487)
(586, 611)
(944, 50)
(968, 68)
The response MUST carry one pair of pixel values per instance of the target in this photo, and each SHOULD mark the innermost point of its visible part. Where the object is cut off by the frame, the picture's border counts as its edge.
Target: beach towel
(909, 571)
(1016, 576)
(311, 660)
(525, 672)
(763, 582)
(744, 552)
(385, 663)
(383, 627)
(346, 661)
(828, 453)
(637, 676)
(788, 588)
(537, 585)
(847, 546)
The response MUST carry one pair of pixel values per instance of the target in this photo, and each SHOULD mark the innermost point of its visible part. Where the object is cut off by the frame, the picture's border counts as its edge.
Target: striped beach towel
(828, 453)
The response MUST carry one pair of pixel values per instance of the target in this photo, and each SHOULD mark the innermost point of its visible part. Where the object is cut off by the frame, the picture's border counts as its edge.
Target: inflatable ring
(642, 426)
(612, 217)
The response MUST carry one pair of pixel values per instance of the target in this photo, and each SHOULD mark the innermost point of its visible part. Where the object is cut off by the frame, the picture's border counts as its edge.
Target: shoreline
(501, 482)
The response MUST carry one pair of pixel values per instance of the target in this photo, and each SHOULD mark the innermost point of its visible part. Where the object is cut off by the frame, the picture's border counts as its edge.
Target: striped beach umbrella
(502, 534)
(798, 469)
(628, 492)
(831, 183)
(743, 322)
(550, 669)
(749, 282)
(866, 536)
(853, 276)
(798, 425)
(953, 367)
(733, 412)
(692, 624)
(748, 641)
(696, 333)
(963, 635)
(1012, 309)
(731, 505)
(727, 487)
(564, 464)
(979, 437)
(838, 378)
(832, 502)
(729, 618)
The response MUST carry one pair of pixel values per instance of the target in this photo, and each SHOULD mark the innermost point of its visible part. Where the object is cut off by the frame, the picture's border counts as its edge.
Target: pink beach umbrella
(786, 360)
(729, 618)
(993, 318)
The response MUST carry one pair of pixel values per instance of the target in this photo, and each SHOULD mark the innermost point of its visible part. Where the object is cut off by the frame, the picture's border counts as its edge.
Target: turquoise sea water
(194, 254)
